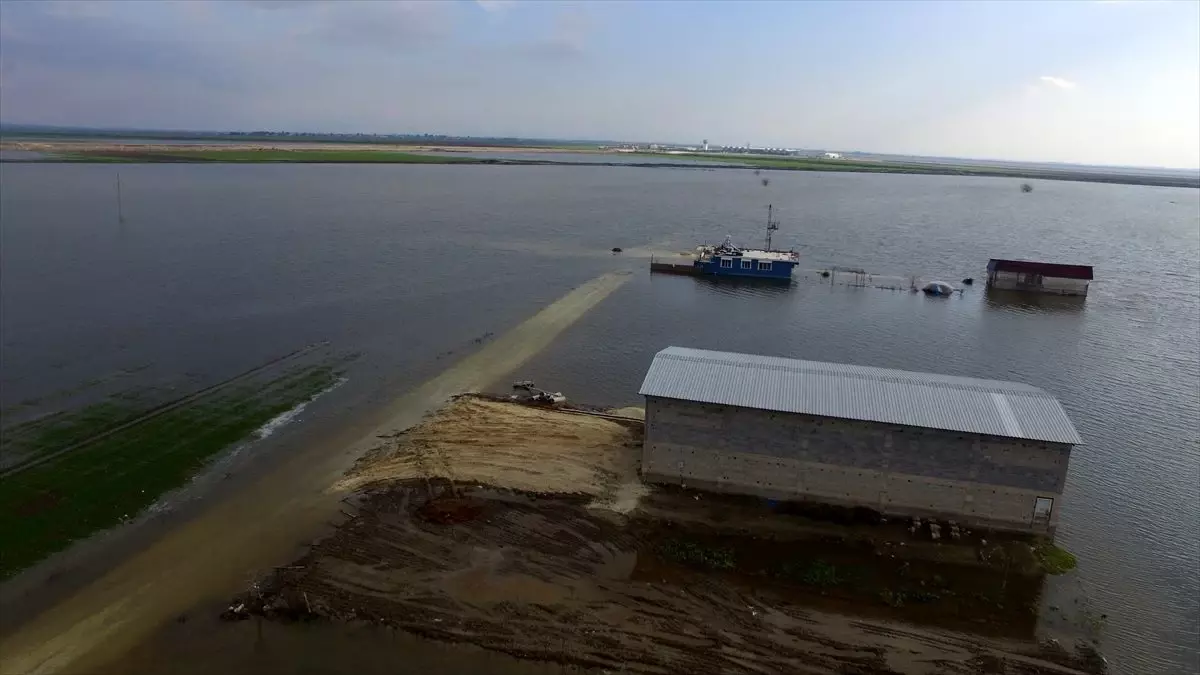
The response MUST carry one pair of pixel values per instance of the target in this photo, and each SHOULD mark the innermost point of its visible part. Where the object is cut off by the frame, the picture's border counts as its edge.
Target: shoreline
(458, 538)
(91, 151)
(260, 523)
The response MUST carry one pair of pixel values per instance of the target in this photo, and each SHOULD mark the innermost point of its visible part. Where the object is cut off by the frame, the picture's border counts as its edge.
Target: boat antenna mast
(772, 225)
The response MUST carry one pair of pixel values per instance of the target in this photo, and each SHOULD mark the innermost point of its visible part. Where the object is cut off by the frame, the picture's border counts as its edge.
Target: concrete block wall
(1012, 281)
(900, 470)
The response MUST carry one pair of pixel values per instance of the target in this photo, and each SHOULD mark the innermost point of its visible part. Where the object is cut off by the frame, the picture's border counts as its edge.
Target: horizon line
(3, 125)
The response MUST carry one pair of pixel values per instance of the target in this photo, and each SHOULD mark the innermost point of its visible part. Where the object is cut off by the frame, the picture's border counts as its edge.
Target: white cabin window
(726, 262)
(764, 265)
(746, 264)
(1042, 506)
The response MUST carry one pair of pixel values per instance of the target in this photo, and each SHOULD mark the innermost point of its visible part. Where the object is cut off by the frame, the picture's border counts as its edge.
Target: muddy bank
(553, 578)
(512, 528)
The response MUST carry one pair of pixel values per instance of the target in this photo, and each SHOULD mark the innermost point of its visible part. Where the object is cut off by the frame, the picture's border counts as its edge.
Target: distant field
(365, 154)
(356, 156)
(822, 164)
(940, 169)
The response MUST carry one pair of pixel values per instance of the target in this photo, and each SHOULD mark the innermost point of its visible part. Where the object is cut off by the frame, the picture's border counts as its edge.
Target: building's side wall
(901, 470)
(1012, 281)
(1065, 286)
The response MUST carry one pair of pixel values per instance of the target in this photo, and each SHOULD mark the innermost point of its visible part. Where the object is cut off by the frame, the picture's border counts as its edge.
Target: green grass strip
(46, 507)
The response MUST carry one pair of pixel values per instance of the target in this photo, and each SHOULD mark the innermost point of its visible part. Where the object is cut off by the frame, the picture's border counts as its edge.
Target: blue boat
(727, 260)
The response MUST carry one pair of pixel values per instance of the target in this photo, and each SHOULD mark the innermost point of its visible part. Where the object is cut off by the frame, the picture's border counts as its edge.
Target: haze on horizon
(1114, 83)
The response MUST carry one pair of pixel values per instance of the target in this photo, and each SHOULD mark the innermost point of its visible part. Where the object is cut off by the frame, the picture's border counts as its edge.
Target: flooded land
(236, 535)
(147, 151)
(222, 399)
(525, 530)
(68, 475)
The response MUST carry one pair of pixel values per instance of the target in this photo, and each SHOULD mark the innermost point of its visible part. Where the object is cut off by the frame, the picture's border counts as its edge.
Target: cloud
(567, 37)
(78, 9)
(1059, 82)
(386, 25)
(279, 4)
(495, 6)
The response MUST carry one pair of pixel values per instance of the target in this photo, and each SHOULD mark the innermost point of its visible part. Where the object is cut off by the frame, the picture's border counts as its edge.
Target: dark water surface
(590, 157)
(219, 268)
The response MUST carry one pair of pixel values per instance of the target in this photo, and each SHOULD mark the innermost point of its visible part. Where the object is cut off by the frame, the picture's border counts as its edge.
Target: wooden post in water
(120, 208)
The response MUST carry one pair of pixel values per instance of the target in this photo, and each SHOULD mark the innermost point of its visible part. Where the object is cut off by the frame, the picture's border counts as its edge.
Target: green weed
(46, 506)
(694, 555)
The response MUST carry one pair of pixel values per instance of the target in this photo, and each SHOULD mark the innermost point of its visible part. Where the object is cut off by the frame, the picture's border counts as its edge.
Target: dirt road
(215, 553)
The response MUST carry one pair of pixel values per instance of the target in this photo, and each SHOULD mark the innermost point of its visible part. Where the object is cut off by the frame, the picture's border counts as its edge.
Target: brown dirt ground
(498, 525)
(517, 447)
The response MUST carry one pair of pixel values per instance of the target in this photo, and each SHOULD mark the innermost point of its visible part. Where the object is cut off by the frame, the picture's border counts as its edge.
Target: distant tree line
(267, 135)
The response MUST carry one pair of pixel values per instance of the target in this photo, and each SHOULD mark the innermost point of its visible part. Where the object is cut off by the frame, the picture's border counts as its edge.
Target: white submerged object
(937, 288)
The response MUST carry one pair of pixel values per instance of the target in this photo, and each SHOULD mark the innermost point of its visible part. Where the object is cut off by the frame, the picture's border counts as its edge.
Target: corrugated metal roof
(1044, 269)
(927, 400)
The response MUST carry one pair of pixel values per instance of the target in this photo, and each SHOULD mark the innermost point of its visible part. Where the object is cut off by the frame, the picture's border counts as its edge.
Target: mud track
(548, 578)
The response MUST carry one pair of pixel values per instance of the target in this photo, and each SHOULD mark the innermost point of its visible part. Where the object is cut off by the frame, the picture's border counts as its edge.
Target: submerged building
(1039, 277)
(990, 453)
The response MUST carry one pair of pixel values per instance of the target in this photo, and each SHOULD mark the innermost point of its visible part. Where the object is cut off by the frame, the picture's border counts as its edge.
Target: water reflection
(21, 155)
(742, 287)
(1033, 302)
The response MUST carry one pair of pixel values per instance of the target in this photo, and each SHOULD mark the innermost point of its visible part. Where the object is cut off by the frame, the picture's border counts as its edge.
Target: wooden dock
(678, 266)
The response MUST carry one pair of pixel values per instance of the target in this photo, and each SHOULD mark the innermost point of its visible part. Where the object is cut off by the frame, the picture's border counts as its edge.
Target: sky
(1106, 82)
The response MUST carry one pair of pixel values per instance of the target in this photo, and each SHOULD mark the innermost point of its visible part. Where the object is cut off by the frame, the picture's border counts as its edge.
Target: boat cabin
(731, 261)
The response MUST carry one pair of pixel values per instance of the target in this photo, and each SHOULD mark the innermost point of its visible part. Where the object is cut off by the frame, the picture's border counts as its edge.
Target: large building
(1025, 275)
(994, 454)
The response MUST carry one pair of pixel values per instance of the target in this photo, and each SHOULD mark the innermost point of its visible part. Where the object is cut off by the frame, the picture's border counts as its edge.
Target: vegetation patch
(62, 429)
(101, 483)
(900, 597)
(817, 573)
(695, 555)
(1054, 560)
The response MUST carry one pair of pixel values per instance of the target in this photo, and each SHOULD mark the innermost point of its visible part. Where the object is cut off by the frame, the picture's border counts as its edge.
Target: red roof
(1044, 269)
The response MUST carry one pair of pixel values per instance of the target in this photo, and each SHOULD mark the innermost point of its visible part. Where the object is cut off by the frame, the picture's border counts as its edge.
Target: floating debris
(937, 288)
(536, 395)
(616, 249)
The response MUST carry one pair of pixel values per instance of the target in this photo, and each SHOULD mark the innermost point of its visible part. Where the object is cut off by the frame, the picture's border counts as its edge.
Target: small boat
(728, 260)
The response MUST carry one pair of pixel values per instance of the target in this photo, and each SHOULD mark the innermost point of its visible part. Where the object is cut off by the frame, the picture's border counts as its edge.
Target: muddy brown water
(217, 269)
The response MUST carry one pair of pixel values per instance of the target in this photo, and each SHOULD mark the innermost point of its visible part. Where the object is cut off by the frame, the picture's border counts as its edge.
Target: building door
(1042, 506)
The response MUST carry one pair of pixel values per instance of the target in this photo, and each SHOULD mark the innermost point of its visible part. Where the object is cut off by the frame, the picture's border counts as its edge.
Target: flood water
(216, 269)
(591, 158)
